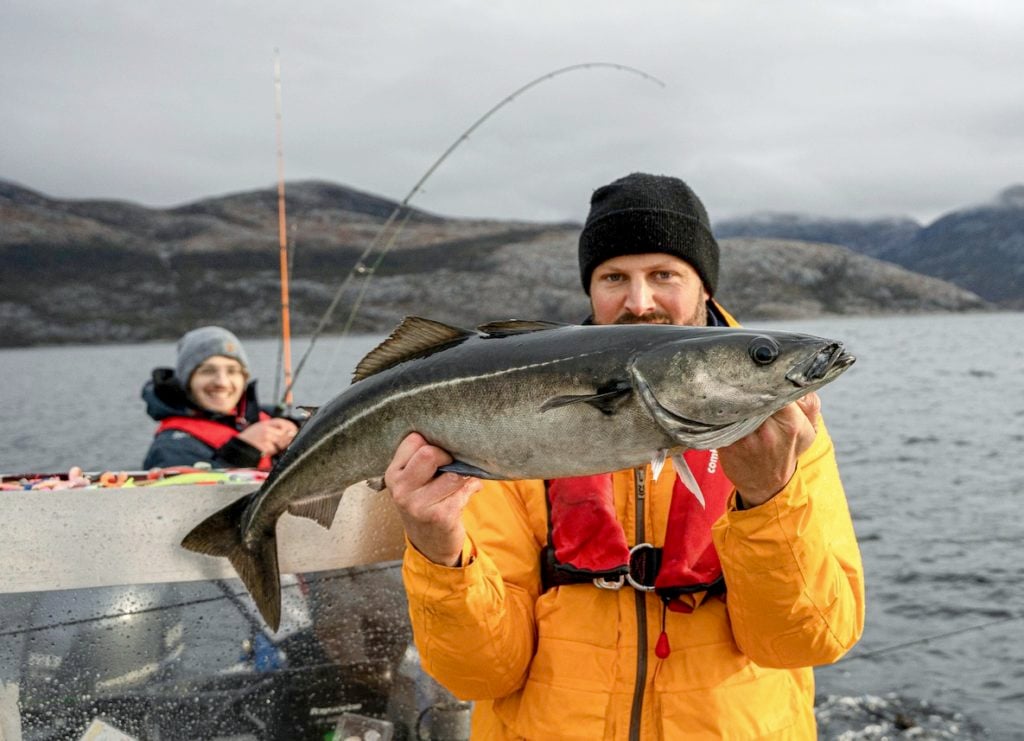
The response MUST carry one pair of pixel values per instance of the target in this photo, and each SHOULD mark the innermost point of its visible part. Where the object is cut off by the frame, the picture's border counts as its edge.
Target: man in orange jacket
(722, 611)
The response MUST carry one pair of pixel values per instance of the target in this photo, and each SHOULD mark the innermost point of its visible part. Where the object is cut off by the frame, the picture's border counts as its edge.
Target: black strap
(554, 574)
(645, 563)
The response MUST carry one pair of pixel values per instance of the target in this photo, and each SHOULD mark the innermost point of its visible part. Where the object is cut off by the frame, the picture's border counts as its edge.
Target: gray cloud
(842, 108)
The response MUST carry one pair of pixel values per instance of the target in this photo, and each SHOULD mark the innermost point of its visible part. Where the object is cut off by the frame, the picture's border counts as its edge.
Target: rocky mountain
(108, 271)
(871, 237)
(809, 279)
(980, 248)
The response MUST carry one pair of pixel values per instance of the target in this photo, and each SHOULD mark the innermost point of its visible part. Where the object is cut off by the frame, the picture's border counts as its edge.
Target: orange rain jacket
(578, 662)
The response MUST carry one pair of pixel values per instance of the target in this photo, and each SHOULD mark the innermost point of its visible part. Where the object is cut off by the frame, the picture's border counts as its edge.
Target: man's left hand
(762, 463)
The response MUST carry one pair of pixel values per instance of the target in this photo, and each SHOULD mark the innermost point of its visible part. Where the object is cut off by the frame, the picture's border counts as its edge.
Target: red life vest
(209, 432)
(587, 541)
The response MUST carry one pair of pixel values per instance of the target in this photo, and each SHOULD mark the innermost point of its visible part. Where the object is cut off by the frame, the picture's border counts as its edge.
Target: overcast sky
(837, 108)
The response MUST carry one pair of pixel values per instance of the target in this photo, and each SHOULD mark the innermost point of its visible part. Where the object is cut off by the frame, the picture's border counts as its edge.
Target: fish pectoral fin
(320, 510)
(658, 462)
(607, 399)
(687, 478)
(465, 469)
(516, 326)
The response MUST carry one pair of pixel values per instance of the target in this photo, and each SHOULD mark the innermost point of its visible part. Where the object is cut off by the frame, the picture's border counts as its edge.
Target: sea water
(929, 432)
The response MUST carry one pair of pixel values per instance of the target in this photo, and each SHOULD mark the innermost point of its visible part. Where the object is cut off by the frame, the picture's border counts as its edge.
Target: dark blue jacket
(165, 397)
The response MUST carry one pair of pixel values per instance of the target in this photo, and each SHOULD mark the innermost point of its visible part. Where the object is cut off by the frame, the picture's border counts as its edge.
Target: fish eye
(763, 350)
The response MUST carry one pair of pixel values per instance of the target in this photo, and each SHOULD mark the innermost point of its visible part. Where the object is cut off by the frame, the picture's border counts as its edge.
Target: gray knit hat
(643, 213)
(199, 344)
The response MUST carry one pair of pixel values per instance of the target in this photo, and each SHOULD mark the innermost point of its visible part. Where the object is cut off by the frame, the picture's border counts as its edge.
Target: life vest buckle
(602, 583)
(644, 563)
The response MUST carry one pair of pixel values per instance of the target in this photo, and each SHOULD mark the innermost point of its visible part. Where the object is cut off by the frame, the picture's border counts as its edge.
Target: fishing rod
(360, 268)
(278, 371)
(282, 238)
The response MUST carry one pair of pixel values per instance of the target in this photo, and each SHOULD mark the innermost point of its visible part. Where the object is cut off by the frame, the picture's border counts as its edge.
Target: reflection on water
(929, 432)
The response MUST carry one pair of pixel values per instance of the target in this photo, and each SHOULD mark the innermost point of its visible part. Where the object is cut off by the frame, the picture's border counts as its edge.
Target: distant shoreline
(111, 272)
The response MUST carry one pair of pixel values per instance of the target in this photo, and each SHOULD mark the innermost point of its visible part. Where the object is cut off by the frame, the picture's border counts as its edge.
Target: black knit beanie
(643, 213)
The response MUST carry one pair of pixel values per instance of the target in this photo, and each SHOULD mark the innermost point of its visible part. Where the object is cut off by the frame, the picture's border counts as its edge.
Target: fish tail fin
(220, 535)
(258, 570)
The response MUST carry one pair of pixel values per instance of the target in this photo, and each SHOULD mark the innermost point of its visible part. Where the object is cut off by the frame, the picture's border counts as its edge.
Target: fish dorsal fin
(507, 327)
(415, 337)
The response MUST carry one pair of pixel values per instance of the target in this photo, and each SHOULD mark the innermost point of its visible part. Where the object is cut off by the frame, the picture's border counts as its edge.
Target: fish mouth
(821, 367)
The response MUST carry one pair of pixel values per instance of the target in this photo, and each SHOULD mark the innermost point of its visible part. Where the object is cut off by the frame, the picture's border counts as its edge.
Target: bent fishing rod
(366, 272)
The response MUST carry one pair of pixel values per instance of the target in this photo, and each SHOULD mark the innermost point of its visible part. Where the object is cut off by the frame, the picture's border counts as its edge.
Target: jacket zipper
(636, 716)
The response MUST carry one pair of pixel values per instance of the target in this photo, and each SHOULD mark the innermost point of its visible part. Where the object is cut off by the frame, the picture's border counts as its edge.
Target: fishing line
(360, 268)
(227, 594)
(927, 639)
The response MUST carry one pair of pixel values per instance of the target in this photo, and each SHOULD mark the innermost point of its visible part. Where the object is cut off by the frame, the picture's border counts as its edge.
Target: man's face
(218, 383)
(652, 288)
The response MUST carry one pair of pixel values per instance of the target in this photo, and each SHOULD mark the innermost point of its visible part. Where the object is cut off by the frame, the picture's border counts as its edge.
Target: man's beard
(699, 317)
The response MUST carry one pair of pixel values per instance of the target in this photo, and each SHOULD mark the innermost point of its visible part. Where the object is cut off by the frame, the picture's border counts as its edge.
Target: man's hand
(430, 505)
(763, 462)
(270, 436)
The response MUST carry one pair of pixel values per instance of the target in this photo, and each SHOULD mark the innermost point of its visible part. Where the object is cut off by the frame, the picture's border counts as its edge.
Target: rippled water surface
(929, 431)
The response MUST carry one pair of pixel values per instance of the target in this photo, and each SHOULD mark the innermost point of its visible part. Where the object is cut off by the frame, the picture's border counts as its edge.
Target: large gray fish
(521, 400)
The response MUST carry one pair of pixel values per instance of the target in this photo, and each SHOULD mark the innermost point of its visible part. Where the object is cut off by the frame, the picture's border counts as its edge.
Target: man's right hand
(270, 436)
(430, 505)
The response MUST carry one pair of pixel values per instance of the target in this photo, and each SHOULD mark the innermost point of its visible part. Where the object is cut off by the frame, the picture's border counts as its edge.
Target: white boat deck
(84, 538)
